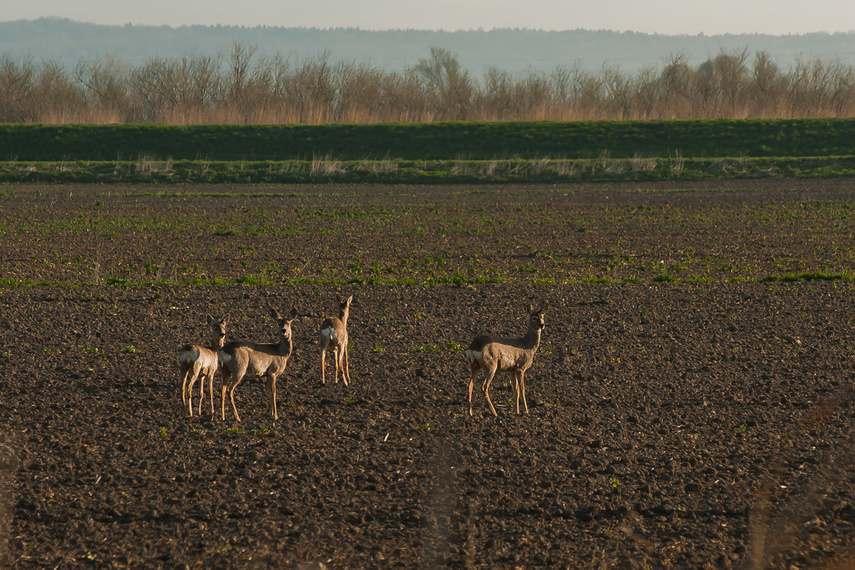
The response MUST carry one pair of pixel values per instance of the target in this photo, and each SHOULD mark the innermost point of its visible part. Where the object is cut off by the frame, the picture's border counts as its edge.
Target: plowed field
(689, 406)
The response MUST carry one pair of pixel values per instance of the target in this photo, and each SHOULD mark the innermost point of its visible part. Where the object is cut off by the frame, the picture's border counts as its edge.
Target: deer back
(259, 358)
(335, 328)
(509, 352)
(194, 355)
(508, 356)
(483, 340)
(254, 358)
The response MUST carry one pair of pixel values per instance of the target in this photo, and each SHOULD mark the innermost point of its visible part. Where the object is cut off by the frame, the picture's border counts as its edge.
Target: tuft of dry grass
(326, 167)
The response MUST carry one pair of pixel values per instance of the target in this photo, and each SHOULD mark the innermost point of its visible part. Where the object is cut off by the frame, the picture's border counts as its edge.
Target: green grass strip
(431, 141)
(810, 276)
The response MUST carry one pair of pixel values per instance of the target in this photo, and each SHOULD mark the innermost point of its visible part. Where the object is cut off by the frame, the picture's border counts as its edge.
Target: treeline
(245, 87)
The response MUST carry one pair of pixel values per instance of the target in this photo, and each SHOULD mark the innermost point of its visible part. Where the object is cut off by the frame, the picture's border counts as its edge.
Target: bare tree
(105, 90)
(449, 86)
(243, 86)
(676, 79)
(768, 87)
(16, 89)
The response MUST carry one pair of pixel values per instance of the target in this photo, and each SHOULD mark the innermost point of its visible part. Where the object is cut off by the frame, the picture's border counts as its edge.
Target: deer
(239, 359)
(500, 354)
(200, 362)
(334, 334)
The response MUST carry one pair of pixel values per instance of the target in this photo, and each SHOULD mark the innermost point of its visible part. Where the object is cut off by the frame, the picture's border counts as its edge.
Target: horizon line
(429, 30)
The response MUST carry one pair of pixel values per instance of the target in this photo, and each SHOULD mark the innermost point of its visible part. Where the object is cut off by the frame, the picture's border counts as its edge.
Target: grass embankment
(432, 153)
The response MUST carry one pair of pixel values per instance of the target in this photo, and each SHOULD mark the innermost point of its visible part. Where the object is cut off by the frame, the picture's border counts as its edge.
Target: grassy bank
(431, 141)
(430, 153)
(603, 168)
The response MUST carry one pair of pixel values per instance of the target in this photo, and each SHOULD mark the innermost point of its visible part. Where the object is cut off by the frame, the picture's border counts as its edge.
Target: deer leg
(487, 391)
(185, 372)
(275, 406)
(209, 376)
(471, 385)
(522, 392)
(196, 373)
(202, 380)
(210, 392)
(240, 374)
(223, 400)
(232, 397)
(336, 352)
(272, 387)
(511, 384)
(226, 379)
(474, 367)
(515, 386)
(323, 345)
(486, 377)
(345, 374)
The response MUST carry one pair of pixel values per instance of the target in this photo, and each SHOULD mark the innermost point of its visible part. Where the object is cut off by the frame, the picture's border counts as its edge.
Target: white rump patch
(188, 356)
(223, 358)
(329, 333)
(473, 355)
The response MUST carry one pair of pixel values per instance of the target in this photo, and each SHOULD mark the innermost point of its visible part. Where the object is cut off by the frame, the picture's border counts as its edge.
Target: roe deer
(513, 355)
(197, 361)
(334, 334)
(257, 360)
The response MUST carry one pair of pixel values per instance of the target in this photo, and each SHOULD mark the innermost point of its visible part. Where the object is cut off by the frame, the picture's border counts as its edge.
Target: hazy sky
(709, 17)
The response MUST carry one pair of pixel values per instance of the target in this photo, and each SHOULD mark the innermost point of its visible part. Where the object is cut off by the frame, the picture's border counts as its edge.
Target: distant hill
(511, 50)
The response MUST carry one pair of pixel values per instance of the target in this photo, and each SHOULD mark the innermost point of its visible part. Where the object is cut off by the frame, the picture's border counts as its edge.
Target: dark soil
(695, 423)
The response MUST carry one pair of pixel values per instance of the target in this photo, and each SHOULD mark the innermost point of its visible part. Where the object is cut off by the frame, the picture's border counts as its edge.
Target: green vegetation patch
(453, 171)
(153, 146)
(810, 276)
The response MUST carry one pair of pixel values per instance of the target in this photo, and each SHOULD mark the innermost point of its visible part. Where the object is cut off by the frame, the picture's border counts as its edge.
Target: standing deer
(197, 361)
(334, 334)
(513, 355)
(267, 360)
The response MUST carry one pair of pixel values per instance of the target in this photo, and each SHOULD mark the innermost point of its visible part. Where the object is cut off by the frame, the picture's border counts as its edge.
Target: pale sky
(671, 17)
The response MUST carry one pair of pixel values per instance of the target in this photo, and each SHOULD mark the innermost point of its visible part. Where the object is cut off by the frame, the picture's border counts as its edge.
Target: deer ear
(349, 300)
(211, 320)
(543, 308)
(275, 314)
(293, 313)
(225, 320)
(530, 308)
(338, 297)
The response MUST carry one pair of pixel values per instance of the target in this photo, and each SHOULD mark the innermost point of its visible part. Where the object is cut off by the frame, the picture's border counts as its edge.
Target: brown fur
(334, 335)
(200, 362)
(257, 360)
(513, 355)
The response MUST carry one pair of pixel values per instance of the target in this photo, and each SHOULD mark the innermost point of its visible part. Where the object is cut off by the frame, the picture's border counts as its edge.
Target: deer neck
(285, 347)
(218, 343)
(532, 338)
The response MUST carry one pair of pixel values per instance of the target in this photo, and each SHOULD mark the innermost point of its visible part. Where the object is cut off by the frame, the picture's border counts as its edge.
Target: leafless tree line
(246, 87)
